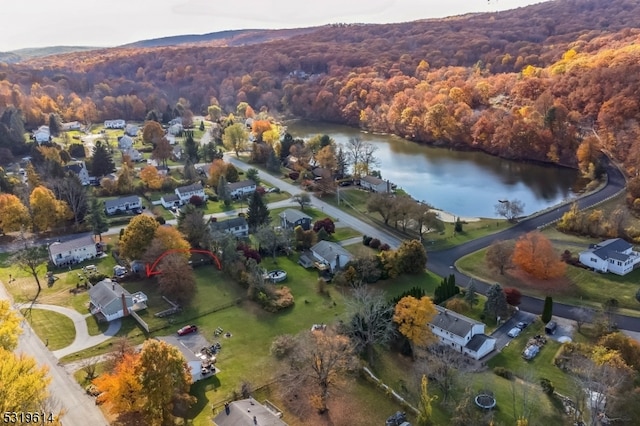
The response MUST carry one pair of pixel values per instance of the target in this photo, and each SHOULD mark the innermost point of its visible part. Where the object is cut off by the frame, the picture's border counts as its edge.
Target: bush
(374, 243)
(366, 240)
(96, 278)
(547, 386)
(385, 247)
(294, 175)
(161, 220)
(503, 372)
(196, 200)
(77, 150)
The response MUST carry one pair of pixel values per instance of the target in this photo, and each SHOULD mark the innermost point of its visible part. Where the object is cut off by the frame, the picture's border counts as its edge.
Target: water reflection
(463, 183)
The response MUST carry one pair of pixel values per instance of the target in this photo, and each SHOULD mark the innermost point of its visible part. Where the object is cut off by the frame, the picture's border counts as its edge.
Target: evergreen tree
(55, 124)
(471, 296)
(547, 310)
(202, 125)
(223, 191)
(98, 218)
(102, 161)
(458, 225)
(496, 305)
(273, 163)
(257, 213)
(191, 148)
(253, 174)
(189, 171)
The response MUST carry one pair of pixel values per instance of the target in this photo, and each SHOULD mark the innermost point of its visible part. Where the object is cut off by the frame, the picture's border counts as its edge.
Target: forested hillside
(530, 83)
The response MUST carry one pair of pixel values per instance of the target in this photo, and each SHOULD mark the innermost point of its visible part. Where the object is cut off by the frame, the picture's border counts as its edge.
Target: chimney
(125, 310)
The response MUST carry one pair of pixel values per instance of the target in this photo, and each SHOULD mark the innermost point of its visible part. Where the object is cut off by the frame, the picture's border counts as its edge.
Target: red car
(187, 329)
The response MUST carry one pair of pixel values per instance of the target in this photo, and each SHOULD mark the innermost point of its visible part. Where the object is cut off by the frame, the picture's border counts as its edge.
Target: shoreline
(451, 218)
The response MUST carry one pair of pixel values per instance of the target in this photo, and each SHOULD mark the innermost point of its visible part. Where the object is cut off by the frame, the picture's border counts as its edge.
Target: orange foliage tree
(122, 389)
(535, 254)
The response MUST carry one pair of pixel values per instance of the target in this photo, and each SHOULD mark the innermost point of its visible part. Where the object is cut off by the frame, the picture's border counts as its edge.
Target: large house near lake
(108, 301)
(326, 256)
(376, 184)
(614, 255)
(73, 251)
(461, 333)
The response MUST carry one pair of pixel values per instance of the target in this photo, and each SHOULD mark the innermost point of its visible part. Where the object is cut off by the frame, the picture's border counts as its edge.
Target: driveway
(500, 333)
(83, 340)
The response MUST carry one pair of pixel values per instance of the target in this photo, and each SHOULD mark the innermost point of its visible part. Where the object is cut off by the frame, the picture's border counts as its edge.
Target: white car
(514, 332)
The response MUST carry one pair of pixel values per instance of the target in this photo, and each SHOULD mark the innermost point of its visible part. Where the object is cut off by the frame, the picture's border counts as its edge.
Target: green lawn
(578, 286)
(94, 327)
(56, 330)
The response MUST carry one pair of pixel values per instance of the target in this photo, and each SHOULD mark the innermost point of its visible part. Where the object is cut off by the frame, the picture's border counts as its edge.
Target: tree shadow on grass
(199, 390)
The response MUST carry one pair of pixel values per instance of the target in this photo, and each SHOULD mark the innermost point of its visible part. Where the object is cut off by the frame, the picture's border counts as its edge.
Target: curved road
(441, 262)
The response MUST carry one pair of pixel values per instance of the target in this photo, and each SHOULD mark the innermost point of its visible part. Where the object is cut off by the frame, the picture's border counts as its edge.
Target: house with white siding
(614, 255)
(186, 192)
(242, 188)
(376, 184)
(73, 251)
(330, 256)
(42, 134)
(80, 170)
(123, 204)
(236, 226)
(108, 301)
(125, 142)
(461, 333)
(115, 124)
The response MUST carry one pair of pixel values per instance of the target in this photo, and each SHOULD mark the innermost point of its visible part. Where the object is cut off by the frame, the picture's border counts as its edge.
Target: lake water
(460, 182)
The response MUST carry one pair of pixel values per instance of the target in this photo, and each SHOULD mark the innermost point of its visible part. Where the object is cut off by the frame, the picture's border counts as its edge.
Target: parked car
(522, 325)
(514, 332)
(187, 329)
(530, 352)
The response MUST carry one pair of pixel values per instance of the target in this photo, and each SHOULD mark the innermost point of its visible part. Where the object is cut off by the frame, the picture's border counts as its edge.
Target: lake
(465, 183)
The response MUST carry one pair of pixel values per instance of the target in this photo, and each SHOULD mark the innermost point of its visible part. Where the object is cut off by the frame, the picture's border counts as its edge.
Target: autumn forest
(554, 82)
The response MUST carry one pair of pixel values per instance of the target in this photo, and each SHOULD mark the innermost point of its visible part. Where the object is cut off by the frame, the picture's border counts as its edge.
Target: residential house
(73, 251)
(131, 130)
(125, 142)
(163, 170)
(330, 256)
(614, 255)
(42, 134)
(108, 301)
(72, 125)
(291, 218)
(461, 333)
(114, 124)
(80, 170)
(237, 226)
(169, 201)
(186, 192)
(123, 204)
(375, 184)
(175, 129)
(194, 362)
(242, 188)
(177, 153)
(249, 412)
(133, 154)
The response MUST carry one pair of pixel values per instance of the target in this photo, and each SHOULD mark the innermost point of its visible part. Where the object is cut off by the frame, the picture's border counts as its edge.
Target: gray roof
(190, 188)
(122, 200)
(62, 247)
(75, 167)
(477, 341)
(328, 250)
(372, 180)
(293, 216)
(225, 225)
(170, 197)
(453, 322)
(104, 293)
(612, 248)
(242, 184)
(241, 413)
(187, 353)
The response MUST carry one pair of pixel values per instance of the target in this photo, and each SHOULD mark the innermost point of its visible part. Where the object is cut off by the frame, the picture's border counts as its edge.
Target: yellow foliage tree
(425, 410)
(535, 254)
(46, 210)
(137, 236)
(151, 177)
(14, 216)
(9, 326)
(413, 316)
(23, 383)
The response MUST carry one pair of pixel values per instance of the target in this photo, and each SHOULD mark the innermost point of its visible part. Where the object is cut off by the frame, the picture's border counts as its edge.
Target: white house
(115, 124)
(613, 255)
(175, 129)
(72, 125)
(133, 154)
(194, 362)
(186, 192)
(242, 188)
(125, 142)
(375, 184)
(331, 256)
(122, 204)
(73, 251)
(42, 134)
(108, 301)
(80, 170)
(169, 201)
(131, 130)
(461, 333)
(237, 226)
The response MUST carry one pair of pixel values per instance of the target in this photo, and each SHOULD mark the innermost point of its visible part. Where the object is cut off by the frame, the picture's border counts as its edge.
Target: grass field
(53, 328)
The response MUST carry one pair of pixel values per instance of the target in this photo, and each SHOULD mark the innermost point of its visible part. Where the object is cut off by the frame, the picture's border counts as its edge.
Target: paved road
(79, 408)
(442, 262)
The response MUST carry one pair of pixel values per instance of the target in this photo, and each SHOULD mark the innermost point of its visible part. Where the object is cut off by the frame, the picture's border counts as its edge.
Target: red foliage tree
(326, 224)
(513, 296)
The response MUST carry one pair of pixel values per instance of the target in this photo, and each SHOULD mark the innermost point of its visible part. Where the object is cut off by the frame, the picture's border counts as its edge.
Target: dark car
(187, 329)
(522, 325)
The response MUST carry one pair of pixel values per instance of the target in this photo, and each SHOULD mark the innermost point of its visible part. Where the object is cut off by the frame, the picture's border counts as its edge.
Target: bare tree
(303, 199)
(581, 315)
(384, 204)
(31, 259)
(70, 190)
(444, 365)
(510, 209)
(523, 397)
(499, 255)
(371, 319)
(270, 240)
(361, 155)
